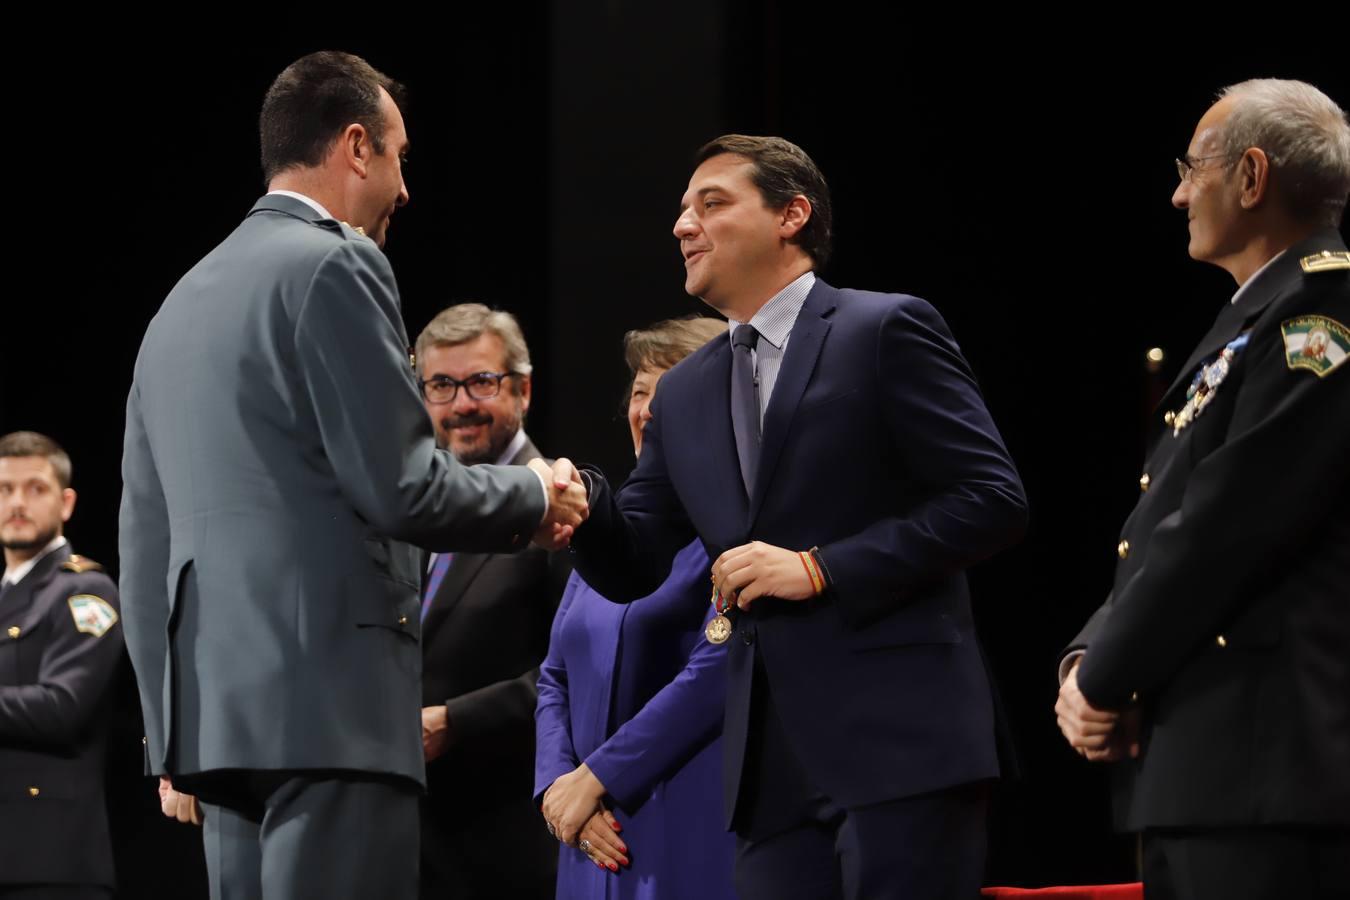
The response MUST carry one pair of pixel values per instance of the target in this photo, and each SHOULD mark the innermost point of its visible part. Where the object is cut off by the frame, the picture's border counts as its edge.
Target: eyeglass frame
(1186, 166)
(446, 380)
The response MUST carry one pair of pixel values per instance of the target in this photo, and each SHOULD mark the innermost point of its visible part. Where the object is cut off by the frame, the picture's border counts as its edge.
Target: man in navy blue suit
(843, 472)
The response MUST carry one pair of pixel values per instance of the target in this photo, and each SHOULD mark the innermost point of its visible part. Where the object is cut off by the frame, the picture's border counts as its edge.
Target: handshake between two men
(567, 502)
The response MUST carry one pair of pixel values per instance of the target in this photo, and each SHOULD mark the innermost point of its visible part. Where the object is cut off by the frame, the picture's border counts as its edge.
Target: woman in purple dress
(630, 710)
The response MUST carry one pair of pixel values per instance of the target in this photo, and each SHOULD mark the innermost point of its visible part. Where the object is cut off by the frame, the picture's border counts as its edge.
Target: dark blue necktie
(745, 403)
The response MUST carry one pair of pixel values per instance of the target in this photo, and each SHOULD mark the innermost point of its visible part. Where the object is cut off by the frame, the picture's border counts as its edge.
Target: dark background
(1017, 174)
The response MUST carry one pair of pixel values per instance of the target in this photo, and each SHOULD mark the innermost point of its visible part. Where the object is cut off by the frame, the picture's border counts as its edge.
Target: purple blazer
(637, 693)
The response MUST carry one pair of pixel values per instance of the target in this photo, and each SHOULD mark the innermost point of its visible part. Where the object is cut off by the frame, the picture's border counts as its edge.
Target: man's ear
(794, 218)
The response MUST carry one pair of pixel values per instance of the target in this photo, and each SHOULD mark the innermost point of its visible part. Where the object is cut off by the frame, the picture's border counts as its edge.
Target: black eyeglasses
(479, 386)
(1186, 165)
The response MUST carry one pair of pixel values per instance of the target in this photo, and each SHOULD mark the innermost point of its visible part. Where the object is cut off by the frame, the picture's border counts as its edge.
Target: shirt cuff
(543, 486)
(1067, 662)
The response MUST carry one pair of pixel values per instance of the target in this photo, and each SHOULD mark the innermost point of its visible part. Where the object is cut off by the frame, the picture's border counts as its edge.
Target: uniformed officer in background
(60, 645)
(1216, 677)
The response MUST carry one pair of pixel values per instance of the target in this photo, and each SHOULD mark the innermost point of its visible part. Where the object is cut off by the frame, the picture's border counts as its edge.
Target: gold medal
(718, 630)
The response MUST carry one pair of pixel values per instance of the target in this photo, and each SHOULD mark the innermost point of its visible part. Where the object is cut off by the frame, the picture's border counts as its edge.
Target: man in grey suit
(479, 694)
(278, 466)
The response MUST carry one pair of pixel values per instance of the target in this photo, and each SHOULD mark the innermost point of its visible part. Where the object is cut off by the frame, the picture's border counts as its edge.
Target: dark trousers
(297, 835)
(1247, 864)
(795, 844)
(54, 892)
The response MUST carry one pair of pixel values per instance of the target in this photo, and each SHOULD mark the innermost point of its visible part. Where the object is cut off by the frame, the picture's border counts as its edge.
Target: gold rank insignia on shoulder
(92, 615)
(1315, 343)
(78, 563)
(357, 228)
(1326, 261)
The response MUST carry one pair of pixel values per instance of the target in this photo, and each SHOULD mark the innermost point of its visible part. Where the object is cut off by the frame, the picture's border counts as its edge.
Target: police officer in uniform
(60, 645)
(1216, 677)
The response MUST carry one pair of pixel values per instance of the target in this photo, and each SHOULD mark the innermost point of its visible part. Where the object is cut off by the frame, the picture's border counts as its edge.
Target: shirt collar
(775, 318)
(308, 201)
(1255, 275)
(517, 444)
(15, 575)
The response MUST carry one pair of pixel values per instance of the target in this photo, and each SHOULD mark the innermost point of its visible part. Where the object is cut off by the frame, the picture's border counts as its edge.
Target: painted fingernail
(623, 849)
(613, 867)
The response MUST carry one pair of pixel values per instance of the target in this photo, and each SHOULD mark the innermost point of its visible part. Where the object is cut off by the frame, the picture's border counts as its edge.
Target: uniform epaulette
(78, 563)
(342, 228)
(1326, 261)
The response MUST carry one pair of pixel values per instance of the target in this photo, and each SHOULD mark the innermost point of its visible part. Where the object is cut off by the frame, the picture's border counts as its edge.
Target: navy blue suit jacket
(877, 448)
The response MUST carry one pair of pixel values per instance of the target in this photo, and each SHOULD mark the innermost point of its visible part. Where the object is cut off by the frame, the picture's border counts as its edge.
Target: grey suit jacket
(278, 462)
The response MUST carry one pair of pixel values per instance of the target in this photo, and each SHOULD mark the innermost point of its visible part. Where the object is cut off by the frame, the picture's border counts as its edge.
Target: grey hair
(464, 322)
(1306, 136)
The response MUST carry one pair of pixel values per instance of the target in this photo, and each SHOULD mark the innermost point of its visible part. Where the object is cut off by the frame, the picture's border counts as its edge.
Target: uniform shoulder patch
(1316, 343)
(78, 563)
(93, 615)
(1326, 261)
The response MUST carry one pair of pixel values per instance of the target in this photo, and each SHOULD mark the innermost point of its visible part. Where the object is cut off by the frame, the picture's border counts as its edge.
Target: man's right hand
(568, 504)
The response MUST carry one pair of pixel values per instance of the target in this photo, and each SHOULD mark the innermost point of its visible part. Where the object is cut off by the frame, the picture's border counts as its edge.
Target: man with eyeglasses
(485, 629)
(1216, 677)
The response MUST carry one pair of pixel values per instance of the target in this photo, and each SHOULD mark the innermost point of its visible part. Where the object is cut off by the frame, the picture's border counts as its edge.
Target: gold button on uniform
(33, 792)
(1221, 641)
(1123, 549)
(403, 620)
(14, 631)
(1134, 696)
(1169, 416)
(1144, 482)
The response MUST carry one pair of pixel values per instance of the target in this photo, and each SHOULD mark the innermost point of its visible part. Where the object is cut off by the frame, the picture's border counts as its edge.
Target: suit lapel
(799, 362)
(464, 567)
(19, 598)
(1226, 327)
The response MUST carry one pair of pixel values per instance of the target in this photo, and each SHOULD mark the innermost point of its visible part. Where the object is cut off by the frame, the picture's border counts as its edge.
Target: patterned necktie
(434, 579)
(745, 403)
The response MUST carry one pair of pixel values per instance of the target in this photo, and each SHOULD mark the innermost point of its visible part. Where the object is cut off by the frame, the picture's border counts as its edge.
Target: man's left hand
(757, 569)
(177, 805)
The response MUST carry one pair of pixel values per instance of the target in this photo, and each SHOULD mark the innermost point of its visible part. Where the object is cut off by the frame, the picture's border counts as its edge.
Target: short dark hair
(30, 443)
(782, 171)
(313, 100)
